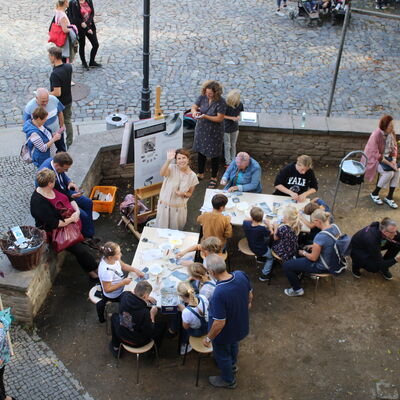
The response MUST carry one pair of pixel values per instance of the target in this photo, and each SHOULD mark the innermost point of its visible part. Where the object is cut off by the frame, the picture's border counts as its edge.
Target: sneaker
(390, 203)
(218, 382)
(356, 272)
(264, 278)
(235, 368)
(94, 64)
(376, 199)
(183, 349)
(281, 14)
(294, 293)
(284, 5)
(377, 7)
(383, 7)
(387, 275)
(114, 350)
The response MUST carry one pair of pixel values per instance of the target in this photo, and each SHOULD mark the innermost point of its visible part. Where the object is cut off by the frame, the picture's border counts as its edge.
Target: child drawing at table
(202, 283)
(111, 275)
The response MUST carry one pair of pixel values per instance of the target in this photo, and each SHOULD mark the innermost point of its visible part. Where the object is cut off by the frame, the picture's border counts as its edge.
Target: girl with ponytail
(201, 280)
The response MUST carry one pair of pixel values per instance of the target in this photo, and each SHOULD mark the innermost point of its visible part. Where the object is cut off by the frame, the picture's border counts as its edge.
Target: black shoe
(170, 334)
(85, 66)
(356, 272)
(387, 274)
(112, 349)
(218, 382)
(94, 64)
(264, 278)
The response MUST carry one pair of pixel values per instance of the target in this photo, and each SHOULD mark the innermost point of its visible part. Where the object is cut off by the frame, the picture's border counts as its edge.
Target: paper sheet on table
(170, 234)
(152, 254)
(180, 275)
(206, 209)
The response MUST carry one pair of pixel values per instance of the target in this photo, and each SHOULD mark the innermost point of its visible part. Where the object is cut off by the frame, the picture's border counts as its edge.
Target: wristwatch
(208, 340)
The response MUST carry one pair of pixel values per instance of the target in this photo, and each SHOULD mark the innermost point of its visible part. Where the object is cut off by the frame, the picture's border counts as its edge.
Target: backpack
(127, 208)
(342, 249)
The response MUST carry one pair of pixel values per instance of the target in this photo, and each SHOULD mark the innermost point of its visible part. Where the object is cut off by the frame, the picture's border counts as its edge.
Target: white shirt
(111, 273)
(189, 318)
(207, 290)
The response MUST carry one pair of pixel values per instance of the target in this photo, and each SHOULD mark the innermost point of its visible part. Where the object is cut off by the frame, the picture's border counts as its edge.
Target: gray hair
(41, 92)
(386, 223)
(215, 264)
(142, 288)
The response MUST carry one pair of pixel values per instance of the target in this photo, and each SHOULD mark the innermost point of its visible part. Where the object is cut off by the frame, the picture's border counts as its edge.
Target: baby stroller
(339, 8)
(309, 11)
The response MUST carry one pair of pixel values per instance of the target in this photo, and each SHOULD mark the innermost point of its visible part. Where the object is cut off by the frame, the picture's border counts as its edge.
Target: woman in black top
(81, 13)
(296, 180)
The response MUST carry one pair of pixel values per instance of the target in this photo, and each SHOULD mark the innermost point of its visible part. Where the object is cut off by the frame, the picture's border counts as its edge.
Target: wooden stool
(317, 277)
(202, 351)
(244, 248)
(138, 351)
(94, 299)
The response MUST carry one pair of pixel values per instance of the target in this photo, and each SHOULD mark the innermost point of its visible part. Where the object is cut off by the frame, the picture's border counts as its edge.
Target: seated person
(211, 245)
(214, 223)
(194, 314)
(48, 217)
(60, 164)
(135, 323)
(296, 180)
(243, 175)
(321, 259)
(285, 234)
(367, 246)
(200, 280)
(111, 276)
(309, 5)
(258, 237)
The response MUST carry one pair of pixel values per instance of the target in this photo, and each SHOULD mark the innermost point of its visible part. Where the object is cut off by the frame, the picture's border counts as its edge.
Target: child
(111, 276)
(194, 314)
(285, 235)
(231, 124)
(211, 245)
(214, 223)
(258, 238)
(200, 280)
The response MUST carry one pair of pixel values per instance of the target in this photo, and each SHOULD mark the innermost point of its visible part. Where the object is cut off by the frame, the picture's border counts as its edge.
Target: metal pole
(145, 111)
(339, 57)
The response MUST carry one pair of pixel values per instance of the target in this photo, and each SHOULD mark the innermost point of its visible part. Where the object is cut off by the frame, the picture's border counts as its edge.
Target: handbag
(66, 236)
(25, 153)
(57, 35)
(386, 167)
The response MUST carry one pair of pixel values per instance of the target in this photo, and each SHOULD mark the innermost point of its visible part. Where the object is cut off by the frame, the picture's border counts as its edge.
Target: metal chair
(317, 277)
(351, 172)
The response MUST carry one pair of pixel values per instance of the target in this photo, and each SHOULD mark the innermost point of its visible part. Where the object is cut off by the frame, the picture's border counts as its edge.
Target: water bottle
(303, 119)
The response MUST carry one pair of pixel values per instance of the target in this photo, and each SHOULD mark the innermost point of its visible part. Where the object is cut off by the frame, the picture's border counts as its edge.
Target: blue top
(249, 180)
(37, 156)
(328, 251)
(257, 237)
(320, 202)
(53, 107)
(62, 180)
(5, 319)
(230, 302)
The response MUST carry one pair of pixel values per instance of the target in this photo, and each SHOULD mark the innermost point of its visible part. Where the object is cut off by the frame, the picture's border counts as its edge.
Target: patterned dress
(208, 135)
(286, 246)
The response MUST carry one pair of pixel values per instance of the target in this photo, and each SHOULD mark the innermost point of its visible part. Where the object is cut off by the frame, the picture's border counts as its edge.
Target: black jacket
(134, 319)
(75, 16)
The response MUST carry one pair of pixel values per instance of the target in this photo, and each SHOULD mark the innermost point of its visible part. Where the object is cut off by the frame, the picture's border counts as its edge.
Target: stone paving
(35, 373)
(280, 66)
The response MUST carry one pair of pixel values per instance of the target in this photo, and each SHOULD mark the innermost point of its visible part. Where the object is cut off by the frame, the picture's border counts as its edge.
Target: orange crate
(104, 206)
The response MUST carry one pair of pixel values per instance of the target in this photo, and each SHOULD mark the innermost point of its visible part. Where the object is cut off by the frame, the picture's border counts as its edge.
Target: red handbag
(67, 236)
(57, 35)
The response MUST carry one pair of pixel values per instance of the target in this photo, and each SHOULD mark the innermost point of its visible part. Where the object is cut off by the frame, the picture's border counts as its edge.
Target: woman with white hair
(243, 175)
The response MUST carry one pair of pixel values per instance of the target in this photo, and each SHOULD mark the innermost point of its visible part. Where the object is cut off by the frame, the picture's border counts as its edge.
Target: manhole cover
(79, 91)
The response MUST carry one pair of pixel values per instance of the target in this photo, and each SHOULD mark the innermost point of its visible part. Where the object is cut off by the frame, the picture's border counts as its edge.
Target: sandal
(212, 184)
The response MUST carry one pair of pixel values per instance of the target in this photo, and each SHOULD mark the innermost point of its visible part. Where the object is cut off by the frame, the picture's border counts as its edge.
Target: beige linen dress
(172, 209)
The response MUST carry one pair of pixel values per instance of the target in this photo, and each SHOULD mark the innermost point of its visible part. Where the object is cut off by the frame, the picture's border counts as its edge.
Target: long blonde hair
(292, 218)
(198, 271)
(184, 289)
(233, 98)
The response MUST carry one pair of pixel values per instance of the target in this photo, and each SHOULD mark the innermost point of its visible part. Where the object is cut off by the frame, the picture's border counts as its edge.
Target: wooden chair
(138, 351)
(317, 277)
(244, 248)
(202, 351)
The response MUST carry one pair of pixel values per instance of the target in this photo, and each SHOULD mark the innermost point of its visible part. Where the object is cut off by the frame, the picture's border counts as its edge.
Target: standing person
(55, 116)
(60, 86)
(278, 3)
(231, 124)
(82, 15)
(296, 180)
(177, 188)
(209, 111)
(5, 322)
(228, 319)
(381, 150)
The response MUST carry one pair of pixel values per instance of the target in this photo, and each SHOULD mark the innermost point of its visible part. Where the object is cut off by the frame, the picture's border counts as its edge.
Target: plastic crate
(104, 206)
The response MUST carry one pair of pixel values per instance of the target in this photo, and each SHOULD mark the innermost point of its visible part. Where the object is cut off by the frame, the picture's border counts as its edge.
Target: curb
(375, 14)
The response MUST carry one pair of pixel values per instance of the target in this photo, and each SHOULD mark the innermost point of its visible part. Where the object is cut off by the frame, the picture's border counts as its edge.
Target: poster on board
(153, 138)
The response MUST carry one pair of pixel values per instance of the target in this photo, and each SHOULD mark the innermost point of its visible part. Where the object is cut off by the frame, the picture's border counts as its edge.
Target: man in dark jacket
(368, 243)
(135, 323)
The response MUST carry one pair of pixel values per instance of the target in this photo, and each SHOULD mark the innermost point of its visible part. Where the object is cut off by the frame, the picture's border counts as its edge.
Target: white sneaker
(390, 203)
(294, 293)
(376, 199)
(183, 348)
(384, 7)
(377, 7)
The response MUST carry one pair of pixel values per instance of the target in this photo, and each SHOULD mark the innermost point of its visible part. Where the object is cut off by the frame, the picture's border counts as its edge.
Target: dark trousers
(68, 123)
(84, 258)
(2, 389)
(94, 42)
(293, 267)
(361, 259)
(201, 161)
(101, 305)
(86, 209)
(226, 357)
(60, 144)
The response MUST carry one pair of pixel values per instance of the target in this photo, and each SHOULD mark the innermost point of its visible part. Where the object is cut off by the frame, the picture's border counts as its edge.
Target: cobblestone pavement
(280, 66)
(35, 373)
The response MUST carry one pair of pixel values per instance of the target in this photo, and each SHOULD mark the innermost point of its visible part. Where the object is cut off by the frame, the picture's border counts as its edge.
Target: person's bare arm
(315, 252)
(218, 118)
(215, 330)
(284, 189)
(56, 91)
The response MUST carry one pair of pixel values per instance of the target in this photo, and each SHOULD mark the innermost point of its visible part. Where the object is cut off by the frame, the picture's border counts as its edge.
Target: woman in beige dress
(177, 188)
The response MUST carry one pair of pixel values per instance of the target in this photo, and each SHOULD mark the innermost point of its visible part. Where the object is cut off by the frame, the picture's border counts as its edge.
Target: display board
(152, 139)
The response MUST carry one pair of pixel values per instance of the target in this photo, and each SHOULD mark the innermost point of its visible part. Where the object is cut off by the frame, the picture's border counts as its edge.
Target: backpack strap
(195, 312)
(210, 283)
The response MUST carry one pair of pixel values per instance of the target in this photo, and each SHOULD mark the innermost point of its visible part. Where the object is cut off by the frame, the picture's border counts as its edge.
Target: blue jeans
(226, 357)
(278, 3)
(268, 264)
(293, 267)
(86, 208)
